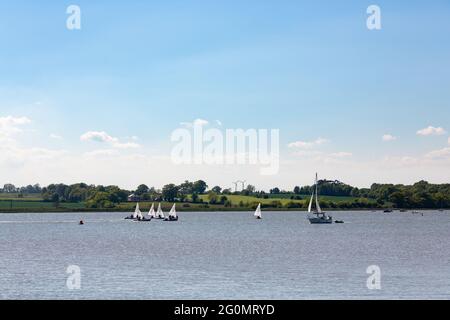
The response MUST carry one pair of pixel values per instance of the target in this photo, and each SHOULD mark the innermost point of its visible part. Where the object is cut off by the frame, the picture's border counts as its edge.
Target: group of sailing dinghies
(152, 214)
(318, 217)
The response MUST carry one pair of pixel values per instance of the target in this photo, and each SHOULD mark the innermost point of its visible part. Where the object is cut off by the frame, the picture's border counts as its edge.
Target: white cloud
(341, 154)
(431, 131)
(443, 153)
(12, 155)
(307, 153)
(99, 136)
(102, 136)
(56, 136)
(126, 145)
(307, 144)
(323, 157)
(10, 125)
(388, 137)
(101, 153)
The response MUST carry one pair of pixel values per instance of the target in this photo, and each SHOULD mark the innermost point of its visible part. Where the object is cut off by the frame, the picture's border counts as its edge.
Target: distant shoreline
(64, 210)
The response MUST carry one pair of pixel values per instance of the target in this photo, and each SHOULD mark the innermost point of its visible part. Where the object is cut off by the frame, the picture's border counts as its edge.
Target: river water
(225, 255)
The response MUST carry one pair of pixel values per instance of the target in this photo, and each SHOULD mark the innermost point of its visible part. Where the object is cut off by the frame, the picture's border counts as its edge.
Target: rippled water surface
(225, 256)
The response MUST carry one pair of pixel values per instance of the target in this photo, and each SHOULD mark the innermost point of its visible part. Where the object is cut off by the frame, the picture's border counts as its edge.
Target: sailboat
(138, 213)
(257, 213)
(319, 217)
(172, 214)
(159, 212)
(151, 212)
(149, 215)
(135, 214)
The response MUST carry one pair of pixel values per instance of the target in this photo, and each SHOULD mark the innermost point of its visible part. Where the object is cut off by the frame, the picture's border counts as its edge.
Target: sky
(100, 104)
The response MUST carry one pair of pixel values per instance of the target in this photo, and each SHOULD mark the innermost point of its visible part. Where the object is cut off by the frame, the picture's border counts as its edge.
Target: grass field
(15, 196)
(38, 205)
(236, 199)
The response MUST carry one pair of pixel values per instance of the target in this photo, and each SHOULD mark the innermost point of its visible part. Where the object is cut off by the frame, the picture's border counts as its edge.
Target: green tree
(170, 192)
(275, 190)
(226, 191)
(141, 189)
(194, 197)
(398, 199)
(216, 189)
(223, 199)
(199, 187)
(212, 197)
(186, 188)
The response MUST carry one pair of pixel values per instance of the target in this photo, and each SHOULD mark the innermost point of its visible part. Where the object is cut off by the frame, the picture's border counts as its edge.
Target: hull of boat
(171, 219)
(320, 220)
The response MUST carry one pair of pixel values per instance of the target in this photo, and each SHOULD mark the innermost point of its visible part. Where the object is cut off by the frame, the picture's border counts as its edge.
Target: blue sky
(309, 68)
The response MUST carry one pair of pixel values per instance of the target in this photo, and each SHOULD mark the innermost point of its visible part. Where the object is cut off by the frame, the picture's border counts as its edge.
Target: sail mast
(317, 197)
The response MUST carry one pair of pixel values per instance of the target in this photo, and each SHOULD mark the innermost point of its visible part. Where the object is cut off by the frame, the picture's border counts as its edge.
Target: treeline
(109, 196)
(93, 196)
(419, 195)
(30, 189)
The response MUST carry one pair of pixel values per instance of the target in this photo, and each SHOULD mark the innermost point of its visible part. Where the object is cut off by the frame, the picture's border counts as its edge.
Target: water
(226, 255)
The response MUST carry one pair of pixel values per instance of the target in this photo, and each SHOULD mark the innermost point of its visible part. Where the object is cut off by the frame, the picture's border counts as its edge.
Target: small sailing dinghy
(149, 215)
(135, 214)
(159, 213)
(320, 217)
(139, 216)
(172, 214)
(257, 213)
(152, 212)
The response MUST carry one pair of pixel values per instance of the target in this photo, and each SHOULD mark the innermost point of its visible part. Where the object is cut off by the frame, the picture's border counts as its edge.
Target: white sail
(151, 212)
(173, 212)
(137, 213)
(311, 202)
(258, 211)
(319, 210)
(159, 212)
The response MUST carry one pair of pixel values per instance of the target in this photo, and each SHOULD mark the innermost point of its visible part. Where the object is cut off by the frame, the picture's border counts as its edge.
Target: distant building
(132, 197)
